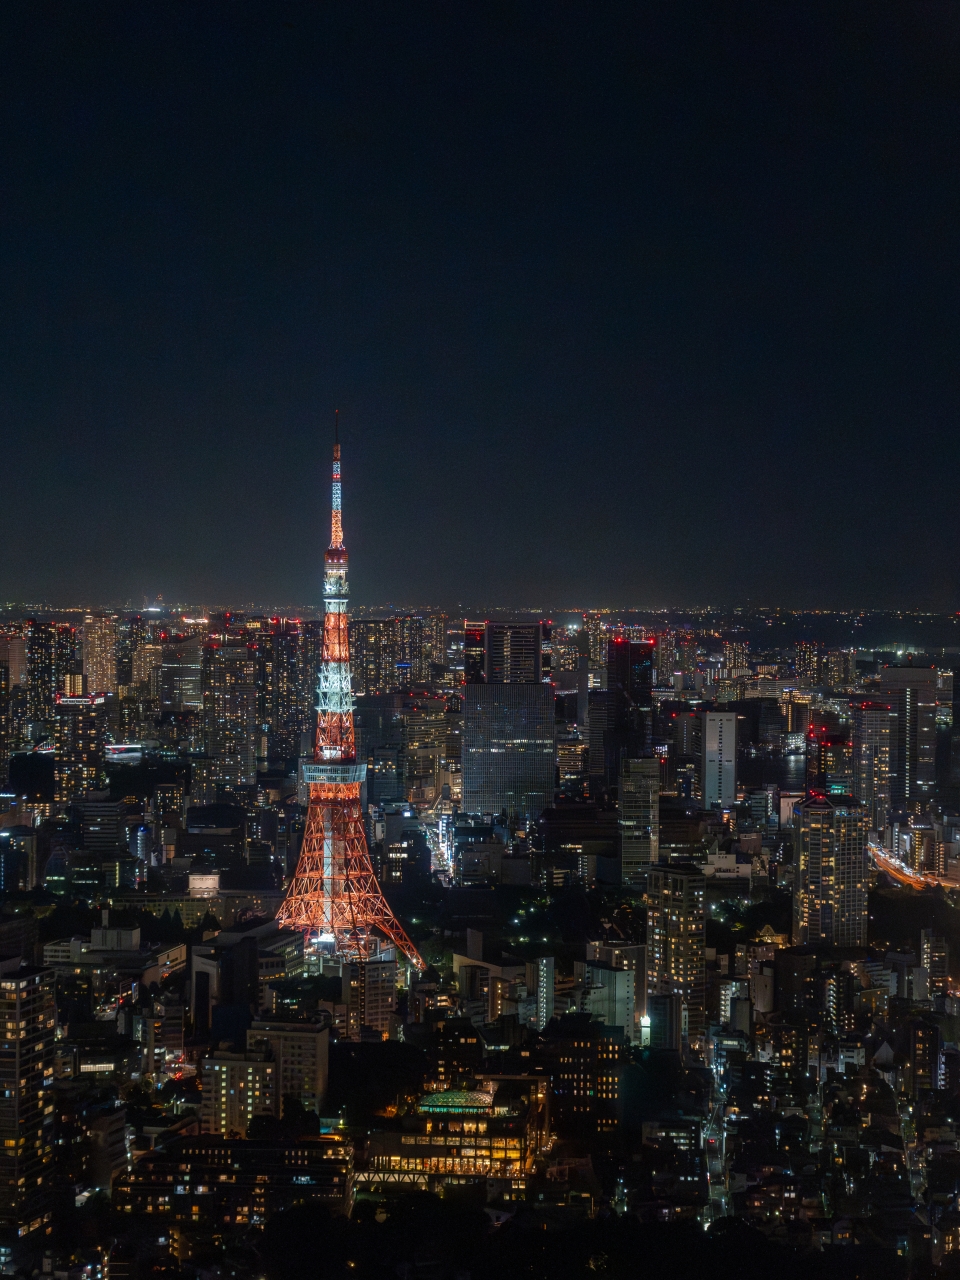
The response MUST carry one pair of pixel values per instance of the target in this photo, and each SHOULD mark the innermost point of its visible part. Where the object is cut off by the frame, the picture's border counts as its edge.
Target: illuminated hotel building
(830, 872)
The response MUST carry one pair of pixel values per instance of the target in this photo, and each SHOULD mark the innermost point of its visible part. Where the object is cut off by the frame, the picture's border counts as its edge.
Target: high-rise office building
(474, 638)
(517, 652)
(676, 958)
(628, 714)
(229, 684)
(830, 872)
(718, 771)
(829, 761)
(874, 748)
(509, 749)
(180, 681)
(912, 693)
(100, 654)
(79, 732)
(639, 818)
(26, 1117)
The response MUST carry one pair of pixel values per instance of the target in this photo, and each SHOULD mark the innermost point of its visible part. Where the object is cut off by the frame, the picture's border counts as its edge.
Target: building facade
(718, 772)
(830, 872)
(676, 959)
(639, 818)
(509, 749)
(100, 654)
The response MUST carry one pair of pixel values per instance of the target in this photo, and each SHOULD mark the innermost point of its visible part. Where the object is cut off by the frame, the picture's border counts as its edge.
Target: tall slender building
(639, 818)
(874, 759)
(100, 654)
(676, 960)
(334, 891)
(830, 872)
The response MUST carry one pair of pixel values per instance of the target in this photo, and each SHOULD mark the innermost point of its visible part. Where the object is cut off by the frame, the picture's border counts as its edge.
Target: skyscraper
(736, 655)
(26, 1117)
(809, 664)
(718, 773)
(100, 654)
(639, 818)
(628, 713)
(874, 747)
(912, 694)
(676, 959)
(517, 652)
(229, 691)
(51, 648)
(79, 731)
(374, 654)
(180, 677)
(830, 872)
(509, 749)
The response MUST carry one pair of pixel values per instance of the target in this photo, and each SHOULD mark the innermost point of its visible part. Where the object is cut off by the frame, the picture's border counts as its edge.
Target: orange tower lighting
(334, 891)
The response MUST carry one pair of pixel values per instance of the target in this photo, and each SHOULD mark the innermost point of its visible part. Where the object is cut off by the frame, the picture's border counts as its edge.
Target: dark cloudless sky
(621, 303)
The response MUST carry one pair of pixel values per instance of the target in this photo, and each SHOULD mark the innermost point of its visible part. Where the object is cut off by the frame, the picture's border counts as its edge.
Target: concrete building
(235, 1088)
(300, 1051)
(509, 749)
(100, 654)
(26, 1117)
(875, 734)
(676, 958)
(639, 818)
(718, 773)
(830, 872)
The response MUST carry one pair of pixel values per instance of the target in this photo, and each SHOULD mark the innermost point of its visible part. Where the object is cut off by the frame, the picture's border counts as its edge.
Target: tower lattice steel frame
(334, 891)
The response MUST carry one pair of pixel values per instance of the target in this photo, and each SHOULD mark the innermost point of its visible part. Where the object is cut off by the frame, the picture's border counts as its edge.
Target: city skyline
(345, 936)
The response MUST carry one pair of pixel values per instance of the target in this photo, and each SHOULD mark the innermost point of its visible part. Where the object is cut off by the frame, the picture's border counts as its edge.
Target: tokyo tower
(334, 891)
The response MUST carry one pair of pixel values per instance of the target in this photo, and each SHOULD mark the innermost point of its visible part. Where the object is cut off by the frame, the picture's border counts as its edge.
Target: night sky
(620, 304)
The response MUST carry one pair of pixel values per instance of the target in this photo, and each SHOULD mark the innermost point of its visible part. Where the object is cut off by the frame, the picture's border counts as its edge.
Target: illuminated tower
(334, 891)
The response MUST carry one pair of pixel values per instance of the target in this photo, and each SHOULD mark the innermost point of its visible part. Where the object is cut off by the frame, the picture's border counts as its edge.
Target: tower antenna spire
(334, 892)
(336, 426)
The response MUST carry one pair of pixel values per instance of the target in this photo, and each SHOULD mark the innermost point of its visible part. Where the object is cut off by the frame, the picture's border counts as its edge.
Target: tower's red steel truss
(334, 891)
